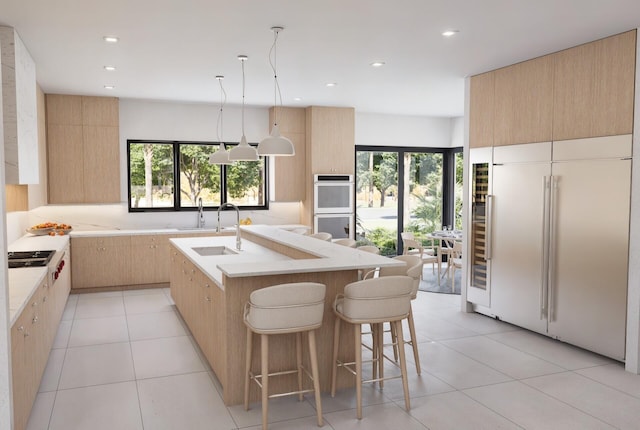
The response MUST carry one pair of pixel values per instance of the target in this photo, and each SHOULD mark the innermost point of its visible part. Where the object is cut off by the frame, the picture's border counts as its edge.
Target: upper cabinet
(19, 110)
(524, 102)
(330, 140)
(290, 171)
(586, 91)
(481, 112)
(83, 149)
(594, 88)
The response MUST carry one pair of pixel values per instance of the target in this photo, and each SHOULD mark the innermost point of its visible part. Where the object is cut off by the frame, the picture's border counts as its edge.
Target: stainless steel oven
(339, 225)
(333, 194)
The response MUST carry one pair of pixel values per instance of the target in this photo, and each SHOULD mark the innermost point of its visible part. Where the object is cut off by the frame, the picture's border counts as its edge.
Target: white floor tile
(70, 308)
(183, 402)
(456, 411)
(473, 321)
(104, 407)
(346, 399)
(308, 423)
(95, 331)
(62, 336)
(147, 303)
(280, 409)
(97, 364)
(164, 357)
(531, 409)
(98, 295)
(610, 405)
(503, 358)
(457, 369)
(551, 350)
(41, 411)
(155, 325)
(438, 329)
(137, 292)
(614, 375)
(388, 416)
(100, 308)
(51, 375)
(167, 292)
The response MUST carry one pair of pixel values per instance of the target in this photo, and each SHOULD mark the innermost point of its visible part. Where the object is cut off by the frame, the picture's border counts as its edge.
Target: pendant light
(275, 144)
(243, 152)
(221, 156)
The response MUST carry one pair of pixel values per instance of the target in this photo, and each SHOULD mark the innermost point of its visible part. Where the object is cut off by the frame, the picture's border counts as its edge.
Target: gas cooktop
(29, 258)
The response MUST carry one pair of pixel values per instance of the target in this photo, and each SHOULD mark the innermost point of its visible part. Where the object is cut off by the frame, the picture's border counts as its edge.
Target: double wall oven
(333, 205)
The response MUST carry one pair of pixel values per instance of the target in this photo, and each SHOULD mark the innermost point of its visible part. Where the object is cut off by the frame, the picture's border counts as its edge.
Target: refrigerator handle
(544, 282)
(488, 228)
(552, 249)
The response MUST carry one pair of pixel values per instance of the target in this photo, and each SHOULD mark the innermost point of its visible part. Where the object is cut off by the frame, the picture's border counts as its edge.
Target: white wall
(414, 131)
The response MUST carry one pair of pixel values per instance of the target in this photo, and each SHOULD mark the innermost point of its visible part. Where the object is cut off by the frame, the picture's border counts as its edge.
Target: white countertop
(331, 257)
(24, 281)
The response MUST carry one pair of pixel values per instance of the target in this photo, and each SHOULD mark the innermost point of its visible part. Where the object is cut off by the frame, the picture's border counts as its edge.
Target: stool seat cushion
(286, 308)
(379, 299)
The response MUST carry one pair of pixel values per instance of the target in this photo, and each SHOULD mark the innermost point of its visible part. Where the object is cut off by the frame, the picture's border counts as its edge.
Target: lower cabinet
(32, 336)
(101, 261)
(201, 304)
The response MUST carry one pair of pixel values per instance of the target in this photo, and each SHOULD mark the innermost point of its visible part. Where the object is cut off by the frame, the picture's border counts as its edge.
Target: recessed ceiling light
(449, 33)
(110, 39)
(377, 64)
(109, 87)
(297, 99)
(332, 84)
(110, 68)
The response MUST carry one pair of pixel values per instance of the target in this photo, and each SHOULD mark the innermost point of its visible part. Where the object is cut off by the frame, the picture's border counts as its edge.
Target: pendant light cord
(276, 90)
(223, 101)
(242, 61)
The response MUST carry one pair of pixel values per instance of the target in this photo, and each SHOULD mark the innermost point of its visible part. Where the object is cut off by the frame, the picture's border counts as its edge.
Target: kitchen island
(210, 292)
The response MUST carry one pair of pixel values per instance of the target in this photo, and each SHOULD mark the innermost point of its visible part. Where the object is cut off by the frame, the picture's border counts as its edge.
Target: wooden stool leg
(414, 342)
(403, 368)
(334, 364)
(313, 356)
(247, 368)
(380, 357)
(264, 346)
(299, 362)
(374, 350)
(358, 347)
(394, 341)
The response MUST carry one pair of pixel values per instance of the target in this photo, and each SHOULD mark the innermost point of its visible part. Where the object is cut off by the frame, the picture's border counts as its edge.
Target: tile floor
(124, 360)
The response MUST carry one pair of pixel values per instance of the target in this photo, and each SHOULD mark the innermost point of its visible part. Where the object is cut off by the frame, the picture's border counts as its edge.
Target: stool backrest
(286, 307)
(322, 236)
(346, 242)
(369, 248)
(378, 299)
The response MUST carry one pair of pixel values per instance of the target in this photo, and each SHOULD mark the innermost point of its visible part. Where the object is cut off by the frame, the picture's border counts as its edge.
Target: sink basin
(214, 250)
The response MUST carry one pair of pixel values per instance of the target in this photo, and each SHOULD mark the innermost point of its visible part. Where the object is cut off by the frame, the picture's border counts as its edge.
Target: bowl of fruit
(50, 228)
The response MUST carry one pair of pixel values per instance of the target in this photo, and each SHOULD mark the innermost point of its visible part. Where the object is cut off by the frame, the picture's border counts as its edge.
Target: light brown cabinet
(481, 110)
(330, 140)
(594, 88)
(83, 149)
(290, 171)
(101, 261)
(523, 105)
(149, 259)
(32, 336)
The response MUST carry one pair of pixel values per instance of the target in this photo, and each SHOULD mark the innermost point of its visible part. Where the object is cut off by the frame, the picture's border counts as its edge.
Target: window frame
(176, 177)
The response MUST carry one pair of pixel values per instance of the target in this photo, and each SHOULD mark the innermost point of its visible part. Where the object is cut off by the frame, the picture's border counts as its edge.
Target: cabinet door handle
(35, 319)
(207, 298)
(26, 333)
(21, 328)
(44, 299)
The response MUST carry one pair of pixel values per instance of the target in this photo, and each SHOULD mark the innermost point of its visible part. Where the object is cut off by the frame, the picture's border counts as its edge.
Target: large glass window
(406, 189)
(157, 182)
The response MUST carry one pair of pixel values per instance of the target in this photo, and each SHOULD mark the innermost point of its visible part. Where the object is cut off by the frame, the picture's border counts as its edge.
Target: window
(173, 176)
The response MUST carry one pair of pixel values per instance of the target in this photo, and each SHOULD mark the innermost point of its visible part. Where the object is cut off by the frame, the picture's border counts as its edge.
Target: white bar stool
(281, 309)
(372, 301)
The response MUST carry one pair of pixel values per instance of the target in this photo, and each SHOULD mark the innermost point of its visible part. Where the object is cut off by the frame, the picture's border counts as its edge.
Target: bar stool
(372, 301)
(413, 269)
(281, 309)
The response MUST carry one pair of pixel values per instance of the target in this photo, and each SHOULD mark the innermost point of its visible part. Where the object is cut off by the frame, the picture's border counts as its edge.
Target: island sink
(214, 250)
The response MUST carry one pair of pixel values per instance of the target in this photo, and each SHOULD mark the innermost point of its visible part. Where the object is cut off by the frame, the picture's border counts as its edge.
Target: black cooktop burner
(29, 258)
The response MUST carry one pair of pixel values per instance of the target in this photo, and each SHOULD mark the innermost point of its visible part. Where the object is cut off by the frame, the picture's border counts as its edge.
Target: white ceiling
(172, 50)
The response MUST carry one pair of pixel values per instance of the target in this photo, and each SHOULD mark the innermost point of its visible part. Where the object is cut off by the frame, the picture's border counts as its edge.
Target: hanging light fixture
(243, 152)
(221, 156)
(275, 144)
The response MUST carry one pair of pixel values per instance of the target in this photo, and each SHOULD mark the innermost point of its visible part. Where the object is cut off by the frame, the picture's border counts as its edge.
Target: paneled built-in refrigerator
(559, 229)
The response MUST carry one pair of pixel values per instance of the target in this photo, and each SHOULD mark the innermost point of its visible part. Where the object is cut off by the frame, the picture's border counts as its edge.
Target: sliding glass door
(406, 189)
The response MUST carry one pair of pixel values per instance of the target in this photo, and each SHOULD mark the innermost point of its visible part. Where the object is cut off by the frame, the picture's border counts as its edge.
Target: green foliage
(384, 239)
(243, 176)
(199, 174)
(385, 172)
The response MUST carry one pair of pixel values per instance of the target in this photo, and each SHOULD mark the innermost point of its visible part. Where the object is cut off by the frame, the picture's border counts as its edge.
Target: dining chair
(427, 253)
(455, 262)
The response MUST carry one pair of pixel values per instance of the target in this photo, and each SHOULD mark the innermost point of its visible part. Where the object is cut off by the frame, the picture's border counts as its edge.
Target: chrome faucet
(200, 213)
(231, 205)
